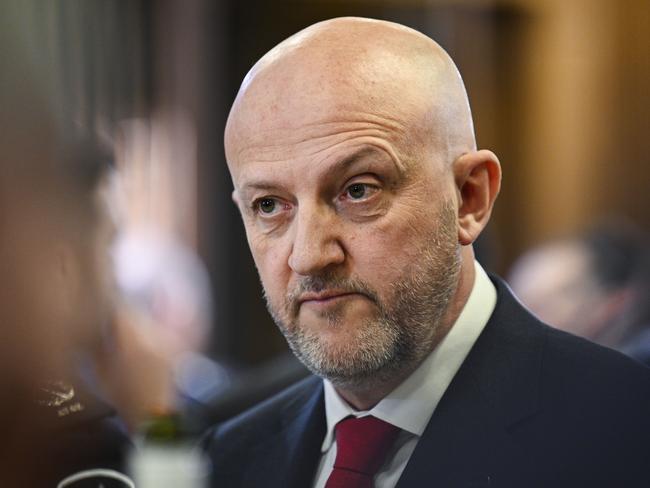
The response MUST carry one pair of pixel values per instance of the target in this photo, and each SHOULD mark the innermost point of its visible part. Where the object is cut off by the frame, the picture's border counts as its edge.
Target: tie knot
(363, 443)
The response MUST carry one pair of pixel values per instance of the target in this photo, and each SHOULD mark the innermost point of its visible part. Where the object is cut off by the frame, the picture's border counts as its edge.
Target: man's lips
(325, 297)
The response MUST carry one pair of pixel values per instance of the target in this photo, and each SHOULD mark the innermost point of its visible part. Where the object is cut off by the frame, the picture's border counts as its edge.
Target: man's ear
(478, 179)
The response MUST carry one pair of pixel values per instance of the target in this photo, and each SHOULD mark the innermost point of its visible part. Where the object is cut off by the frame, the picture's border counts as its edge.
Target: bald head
(358, 70)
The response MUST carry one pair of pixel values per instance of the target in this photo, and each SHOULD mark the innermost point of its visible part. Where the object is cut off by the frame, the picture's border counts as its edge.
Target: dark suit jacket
(530, 406)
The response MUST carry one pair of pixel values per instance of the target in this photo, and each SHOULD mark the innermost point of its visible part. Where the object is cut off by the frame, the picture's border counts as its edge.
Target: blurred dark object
(81, 433)
(248, 388)
(595, 285)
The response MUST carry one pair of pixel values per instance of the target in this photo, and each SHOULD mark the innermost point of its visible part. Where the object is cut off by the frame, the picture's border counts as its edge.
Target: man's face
(356, 243)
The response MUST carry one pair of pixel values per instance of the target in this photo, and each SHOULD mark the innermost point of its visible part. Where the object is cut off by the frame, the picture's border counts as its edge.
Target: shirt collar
(412, 403)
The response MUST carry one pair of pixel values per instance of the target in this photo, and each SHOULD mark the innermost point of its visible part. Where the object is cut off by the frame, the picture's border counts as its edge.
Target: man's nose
(316, 243)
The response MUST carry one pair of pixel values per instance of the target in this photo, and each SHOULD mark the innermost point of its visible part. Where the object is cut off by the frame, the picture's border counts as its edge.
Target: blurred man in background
(595, 285)
(355, 168)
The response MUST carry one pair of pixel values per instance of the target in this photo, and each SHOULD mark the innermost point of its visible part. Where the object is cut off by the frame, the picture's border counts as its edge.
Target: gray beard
(402, 332)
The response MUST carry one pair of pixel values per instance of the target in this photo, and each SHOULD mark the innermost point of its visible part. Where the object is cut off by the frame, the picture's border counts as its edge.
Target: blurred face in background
(555, 284)
(558, 282)
(54, 257)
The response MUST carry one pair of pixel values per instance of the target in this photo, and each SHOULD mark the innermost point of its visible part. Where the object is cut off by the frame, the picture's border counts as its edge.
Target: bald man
(356, 172)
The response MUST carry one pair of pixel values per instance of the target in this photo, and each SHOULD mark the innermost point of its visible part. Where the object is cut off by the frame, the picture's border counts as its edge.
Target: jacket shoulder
(263, 420)
(566, 359)
(589, 372)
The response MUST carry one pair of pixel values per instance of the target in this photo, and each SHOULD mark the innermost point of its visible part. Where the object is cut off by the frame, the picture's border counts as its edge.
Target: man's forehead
(308, 134)
(305, 115)
(267, 175)
(389, 79)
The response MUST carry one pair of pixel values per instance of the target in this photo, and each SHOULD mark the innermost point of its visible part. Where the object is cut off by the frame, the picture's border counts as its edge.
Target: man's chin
(358, 377)
(338, 321)
(340, 357)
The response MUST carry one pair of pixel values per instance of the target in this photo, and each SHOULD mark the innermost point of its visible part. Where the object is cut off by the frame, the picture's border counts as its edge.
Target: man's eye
(357, 191)
(266, 205)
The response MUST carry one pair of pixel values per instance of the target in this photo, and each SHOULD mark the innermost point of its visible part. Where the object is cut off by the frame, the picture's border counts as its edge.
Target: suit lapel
(468, 440)
(290, 458)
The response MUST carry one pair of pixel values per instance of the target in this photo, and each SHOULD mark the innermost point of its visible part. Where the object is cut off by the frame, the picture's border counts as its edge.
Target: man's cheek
(266, 250)
(383, 255)
(274, 287)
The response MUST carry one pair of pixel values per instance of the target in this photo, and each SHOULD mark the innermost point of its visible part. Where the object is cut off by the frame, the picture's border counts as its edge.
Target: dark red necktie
(361, 448)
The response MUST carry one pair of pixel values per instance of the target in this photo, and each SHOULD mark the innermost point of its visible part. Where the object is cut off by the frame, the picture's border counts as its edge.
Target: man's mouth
(325, 297)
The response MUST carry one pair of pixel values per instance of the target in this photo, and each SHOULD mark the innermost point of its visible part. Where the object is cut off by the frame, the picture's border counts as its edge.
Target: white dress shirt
(412, 403)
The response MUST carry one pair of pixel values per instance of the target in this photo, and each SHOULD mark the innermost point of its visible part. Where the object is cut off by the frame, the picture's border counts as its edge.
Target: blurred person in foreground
(56, 303)
(595, 285)
(78, 369)
(55, 307)
(354, 164)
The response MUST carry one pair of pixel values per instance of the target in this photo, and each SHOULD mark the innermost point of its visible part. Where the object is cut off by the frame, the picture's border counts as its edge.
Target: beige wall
(581, 125)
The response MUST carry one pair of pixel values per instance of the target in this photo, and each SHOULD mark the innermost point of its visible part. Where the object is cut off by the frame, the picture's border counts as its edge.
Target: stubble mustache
(323, 283)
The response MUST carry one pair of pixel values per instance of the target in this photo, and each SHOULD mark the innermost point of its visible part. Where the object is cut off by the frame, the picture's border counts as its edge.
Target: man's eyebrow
(257, 185)
(338, 166)
(361, 154)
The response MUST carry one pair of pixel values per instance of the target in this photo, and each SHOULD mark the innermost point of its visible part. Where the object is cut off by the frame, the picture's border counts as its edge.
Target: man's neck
(365, 397)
